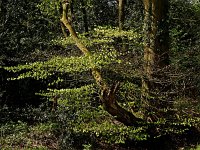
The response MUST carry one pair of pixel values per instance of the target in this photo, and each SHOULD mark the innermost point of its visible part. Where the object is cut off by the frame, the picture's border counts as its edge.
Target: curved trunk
(107, 93)
(69, 15)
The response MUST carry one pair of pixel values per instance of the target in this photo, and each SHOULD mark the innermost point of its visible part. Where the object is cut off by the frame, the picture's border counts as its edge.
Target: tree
(121, 14)
(85, 20)
(107, 92)
(137, 99)
(155, 57)
(156, 49)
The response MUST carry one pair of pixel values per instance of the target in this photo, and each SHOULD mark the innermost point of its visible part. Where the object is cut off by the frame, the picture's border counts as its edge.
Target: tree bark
(63, 30)
(156, 47)
(85, 21)
(121, 18)
(121, 15)
(69, 15)
(108, 97)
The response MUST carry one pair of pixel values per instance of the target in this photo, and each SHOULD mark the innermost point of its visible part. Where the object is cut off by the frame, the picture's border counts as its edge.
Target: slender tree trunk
(121, 18)
(156, 48)
(108, 97)
(84, 16)
(121, 15)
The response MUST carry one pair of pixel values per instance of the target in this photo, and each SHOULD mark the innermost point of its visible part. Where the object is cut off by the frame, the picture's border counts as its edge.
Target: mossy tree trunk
(156, 49)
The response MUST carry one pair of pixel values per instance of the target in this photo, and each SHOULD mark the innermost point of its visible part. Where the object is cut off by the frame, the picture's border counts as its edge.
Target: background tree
(121, 14)
(156, 51)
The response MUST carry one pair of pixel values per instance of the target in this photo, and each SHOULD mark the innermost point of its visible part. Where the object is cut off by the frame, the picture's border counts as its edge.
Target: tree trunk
(156, 48)
(84, 16)
(121, 14)
(121, 18)
(107, 92)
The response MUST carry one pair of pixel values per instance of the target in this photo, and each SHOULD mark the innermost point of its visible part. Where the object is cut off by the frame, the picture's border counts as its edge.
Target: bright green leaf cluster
(41, 70)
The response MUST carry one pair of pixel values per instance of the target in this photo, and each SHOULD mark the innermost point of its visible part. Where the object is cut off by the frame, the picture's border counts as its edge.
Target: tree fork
(108, 93)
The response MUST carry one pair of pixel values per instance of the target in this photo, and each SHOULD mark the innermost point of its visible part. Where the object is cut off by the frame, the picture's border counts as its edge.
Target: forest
(100, 74)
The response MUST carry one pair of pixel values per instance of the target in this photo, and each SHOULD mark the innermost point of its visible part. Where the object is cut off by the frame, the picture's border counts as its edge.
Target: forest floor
(45, 136)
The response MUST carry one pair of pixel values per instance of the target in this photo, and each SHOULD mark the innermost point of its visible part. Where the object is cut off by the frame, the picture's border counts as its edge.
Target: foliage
(19, 135)
(22, 28)
(66, 65)
(81, 96)
(62, 73)
(184, 27)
